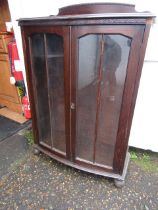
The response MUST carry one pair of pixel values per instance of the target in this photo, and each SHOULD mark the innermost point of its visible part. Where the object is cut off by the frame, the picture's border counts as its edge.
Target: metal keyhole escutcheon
(72, 106)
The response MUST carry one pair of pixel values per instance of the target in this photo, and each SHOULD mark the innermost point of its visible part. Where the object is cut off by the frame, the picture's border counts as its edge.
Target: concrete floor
(38, 182)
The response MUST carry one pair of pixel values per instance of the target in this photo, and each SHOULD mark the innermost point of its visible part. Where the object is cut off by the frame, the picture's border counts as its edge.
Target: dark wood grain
(90, 148)
(101, 54)
(137, 79)
(125, 121)
(83, 21)
(30, 31)
(92, 14)
(133, 33)
(94, 8)
(29, 78)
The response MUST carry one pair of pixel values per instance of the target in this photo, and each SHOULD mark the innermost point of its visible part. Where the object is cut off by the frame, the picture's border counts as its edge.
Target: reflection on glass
(102, 70)
(48, 71)
(55, 62)
(86, 96)
(116, 52)
(40, 83)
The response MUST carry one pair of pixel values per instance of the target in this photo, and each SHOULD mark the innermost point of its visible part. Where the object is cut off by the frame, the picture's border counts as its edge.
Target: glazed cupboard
(83, 69)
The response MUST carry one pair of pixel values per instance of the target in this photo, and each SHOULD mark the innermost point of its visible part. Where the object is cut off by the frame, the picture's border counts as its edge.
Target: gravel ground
(38, 182)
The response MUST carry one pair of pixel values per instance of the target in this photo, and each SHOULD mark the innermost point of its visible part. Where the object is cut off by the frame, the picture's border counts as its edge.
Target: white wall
(145, 121)
(144, 127)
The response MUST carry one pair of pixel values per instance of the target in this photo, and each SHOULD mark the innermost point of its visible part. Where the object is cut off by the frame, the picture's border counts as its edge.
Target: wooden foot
(36, 151)
(119, 183)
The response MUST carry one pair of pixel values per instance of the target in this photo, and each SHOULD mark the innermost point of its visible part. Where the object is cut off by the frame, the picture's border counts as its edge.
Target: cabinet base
(119, 180)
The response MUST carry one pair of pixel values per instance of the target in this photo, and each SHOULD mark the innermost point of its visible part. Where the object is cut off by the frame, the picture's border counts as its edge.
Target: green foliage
(29, 136)
(133, 155)
(148, 161)
(148, 166)
(146, 157)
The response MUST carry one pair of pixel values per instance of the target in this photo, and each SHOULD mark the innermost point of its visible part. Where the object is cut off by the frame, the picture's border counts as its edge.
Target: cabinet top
(94, 8)
(89, 12)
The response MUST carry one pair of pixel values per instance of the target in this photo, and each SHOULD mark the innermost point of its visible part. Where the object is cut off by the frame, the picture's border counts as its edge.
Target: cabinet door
(105, 66)
(48, 53)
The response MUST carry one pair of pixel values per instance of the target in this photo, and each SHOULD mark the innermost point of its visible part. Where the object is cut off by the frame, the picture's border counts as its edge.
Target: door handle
(72, 106)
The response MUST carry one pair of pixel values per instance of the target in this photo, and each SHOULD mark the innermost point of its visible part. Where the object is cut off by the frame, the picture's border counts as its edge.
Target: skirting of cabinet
(96, 171)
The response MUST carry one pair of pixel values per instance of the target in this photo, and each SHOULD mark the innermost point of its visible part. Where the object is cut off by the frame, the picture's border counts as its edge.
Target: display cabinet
(83, 69)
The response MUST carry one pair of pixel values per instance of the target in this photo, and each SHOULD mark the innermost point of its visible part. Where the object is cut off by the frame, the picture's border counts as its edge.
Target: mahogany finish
(94, 8)
(83, 71)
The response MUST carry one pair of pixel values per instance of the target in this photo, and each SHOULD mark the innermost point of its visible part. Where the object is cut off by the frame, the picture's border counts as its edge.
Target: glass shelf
(49, 56)
(55, 56)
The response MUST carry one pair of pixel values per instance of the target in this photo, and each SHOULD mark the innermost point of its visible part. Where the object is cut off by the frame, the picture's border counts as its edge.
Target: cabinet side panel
(128, 99)
(29, 78)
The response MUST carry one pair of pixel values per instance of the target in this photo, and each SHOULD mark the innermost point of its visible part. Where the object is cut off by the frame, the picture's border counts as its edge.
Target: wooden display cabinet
(83, 70)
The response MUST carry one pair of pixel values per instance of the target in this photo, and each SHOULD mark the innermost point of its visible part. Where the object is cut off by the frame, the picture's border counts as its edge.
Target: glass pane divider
(35, 91)
(47, 78)
(102, 68)
(101, 53)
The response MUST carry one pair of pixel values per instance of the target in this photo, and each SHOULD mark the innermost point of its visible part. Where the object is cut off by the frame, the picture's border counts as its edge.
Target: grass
(17, 163)
(146, 160)
(29, 136)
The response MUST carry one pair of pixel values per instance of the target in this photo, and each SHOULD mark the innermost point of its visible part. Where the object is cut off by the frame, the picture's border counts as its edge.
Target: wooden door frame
(135, 32)
(64, 32)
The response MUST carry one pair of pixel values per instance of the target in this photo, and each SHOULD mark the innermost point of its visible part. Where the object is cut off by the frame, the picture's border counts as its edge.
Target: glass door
(49, 69)
(103, 65)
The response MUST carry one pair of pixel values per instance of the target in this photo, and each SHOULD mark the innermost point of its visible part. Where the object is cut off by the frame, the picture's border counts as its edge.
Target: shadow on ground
(38, 182)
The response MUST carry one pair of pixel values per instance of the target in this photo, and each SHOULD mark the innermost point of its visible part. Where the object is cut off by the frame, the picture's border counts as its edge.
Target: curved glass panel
(48, 69)
(55, 63)
(102, 69)
(40, 84)
(87, 96)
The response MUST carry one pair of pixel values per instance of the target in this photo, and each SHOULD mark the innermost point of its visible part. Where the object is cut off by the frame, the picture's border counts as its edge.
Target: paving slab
(12, 149)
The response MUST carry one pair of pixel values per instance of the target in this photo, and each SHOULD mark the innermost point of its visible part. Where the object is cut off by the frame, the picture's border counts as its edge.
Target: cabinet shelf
(49, 56)
(55, 56)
